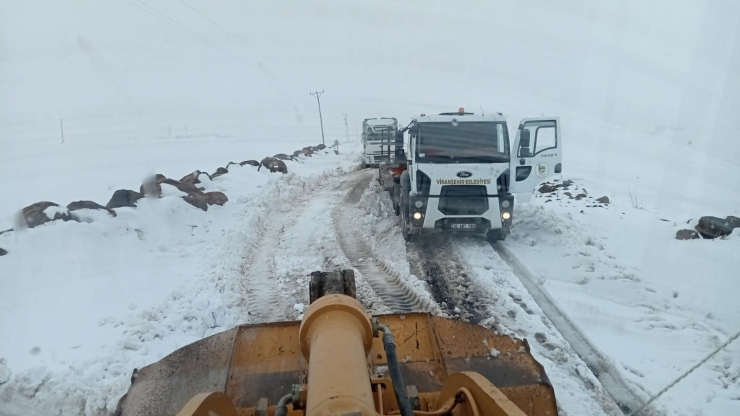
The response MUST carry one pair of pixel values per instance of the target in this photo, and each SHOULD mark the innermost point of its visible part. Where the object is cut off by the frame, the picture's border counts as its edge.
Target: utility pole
(346, 127)
(317, 94)
(61, 126)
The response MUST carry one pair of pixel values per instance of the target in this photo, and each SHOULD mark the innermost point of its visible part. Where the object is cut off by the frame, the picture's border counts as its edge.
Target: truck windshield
(381, 134)
(463, 142)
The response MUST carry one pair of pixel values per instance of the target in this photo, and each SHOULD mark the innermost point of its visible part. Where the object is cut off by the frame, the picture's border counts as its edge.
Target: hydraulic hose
(399, 387)
(281, 409)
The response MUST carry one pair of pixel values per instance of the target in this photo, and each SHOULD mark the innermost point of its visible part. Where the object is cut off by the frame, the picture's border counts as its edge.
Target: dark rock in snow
(570, 195)
(545, 189)
(580, 196)
(34, 214)
(567, 182)
(74, 206)
(307, 151)
(3, 252)
(686, 235)
(321, 147)
(218, 172)
(603, 199)
(228, 165)
(192, 178)
(297, 153)
(250, 162)
(216, 198)
(123, 198)
(6, 231)
(713, 227)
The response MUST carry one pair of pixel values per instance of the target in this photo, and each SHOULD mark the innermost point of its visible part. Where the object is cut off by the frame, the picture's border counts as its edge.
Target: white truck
(457, 172)
(378, 138)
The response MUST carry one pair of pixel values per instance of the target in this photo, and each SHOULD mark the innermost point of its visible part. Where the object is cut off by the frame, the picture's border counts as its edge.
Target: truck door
(537, 154)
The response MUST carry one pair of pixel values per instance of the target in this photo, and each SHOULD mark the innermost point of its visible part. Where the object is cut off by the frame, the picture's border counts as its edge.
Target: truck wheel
(395, 197)
(405, 228)
(495, 235)
(404, 208)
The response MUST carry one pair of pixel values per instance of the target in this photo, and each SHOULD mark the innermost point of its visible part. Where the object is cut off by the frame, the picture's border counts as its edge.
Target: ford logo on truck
(464, 174)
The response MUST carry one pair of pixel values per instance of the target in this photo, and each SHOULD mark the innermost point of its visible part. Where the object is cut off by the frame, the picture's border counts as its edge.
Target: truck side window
(544, 138)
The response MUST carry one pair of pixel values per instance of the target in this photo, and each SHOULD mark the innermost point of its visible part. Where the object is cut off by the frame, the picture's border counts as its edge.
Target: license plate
(463, 226)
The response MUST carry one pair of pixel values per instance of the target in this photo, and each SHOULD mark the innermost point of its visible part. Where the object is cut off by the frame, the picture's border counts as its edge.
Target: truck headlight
(419, 204)
(417, 215)
(505, 203)
(506, 215)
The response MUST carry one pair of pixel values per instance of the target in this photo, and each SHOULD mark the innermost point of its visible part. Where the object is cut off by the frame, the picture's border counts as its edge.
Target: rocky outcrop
(603, 200)
(123, 198)
(216, 198)
(307, 151)
(77, 205)
(34, 215)
(686, 235)
(3, 252)
(321, 147)
(274, 165)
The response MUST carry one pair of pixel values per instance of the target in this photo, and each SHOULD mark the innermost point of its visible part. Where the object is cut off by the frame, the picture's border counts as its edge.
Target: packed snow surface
(96, 97)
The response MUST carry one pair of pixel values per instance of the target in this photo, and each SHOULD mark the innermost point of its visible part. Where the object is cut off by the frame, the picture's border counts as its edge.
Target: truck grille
(463, 200)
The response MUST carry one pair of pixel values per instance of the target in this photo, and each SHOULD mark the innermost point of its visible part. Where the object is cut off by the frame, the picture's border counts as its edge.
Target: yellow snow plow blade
(334, 362)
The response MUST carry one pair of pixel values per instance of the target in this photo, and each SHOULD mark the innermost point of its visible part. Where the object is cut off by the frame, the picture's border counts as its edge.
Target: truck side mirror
(524, 138)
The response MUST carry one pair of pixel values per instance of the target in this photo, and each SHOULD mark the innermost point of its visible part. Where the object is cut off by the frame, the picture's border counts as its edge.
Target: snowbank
(654, 304)
(83, 304)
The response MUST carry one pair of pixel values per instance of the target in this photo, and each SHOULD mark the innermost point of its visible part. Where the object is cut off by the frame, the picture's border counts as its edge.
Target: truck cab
(378, 139)
(461, 171)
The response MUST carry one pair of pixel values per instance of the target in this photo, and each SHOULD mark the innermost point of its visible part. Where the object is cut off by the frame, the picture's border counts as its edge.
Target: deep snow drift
(120, 293)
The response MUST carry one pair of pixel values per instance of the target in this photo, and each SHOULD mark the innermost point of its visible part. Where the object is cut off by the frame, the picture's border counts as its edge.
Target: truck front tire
(496, 235)
(405, 185)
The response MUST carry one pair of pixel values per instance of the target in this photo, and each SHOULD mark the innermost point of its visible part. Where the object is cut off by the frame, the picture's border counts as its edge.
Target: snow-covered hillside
(647, 93)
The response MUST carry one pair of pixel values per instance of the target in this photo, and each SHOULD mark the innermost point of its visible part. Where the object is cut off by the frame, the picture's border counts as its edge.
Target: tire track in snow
(264, 298)
(433, 258)
(386, 283)
(623, 395)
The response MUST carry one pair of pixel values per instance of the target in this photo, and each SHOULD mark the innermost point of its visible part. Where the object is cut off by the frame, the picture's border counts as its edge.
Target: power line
(317, 94)
(686, 373)
(168, 20)
(202, 38)
(205, 17)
